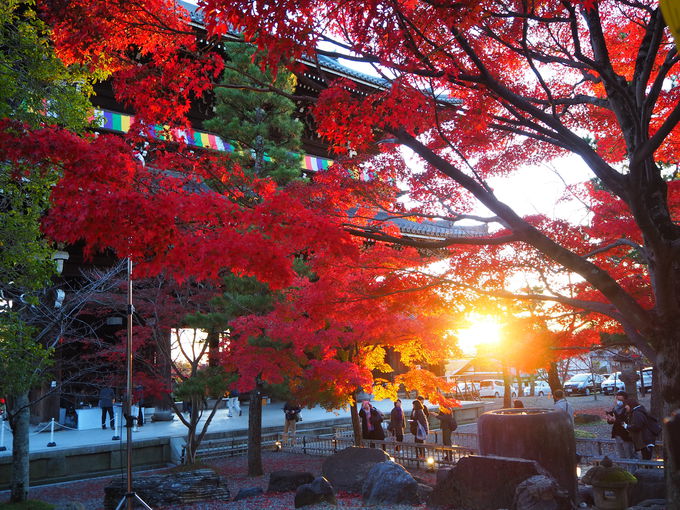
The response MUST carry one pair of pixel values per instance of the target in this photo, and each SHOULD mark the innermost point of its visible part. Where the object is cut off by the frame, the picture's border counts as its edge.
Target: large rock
(389, 483)
(170, 490)
(483, 483)
(347, 469)
(651, 484)
(288, 481)
(319, 491)
(540, 493)
(543, 435)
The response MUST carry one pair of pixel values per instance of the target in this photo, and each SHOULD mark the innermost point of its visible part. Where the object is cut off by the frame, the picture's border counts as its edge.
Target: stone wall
(88, 461)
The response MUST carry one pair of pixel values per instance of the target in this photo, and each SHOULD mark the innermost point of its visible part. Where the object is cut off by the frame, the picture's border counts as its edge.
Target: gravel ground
(90, 493)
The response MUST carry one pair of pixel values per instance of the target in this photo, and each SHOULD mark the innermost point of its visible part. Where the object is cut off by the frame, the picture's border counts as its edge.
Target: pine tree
(260, 125)
(266, 139)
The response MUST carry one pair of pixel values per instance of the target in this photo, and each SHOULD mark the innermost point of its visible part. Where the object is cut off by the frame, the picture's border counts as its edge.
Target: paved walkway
(272, 415)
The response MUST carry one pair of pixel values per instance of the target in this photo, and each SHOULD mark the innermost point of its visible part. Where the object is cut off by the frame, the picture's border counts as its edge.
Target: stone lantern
(628, 361)
(610, 485)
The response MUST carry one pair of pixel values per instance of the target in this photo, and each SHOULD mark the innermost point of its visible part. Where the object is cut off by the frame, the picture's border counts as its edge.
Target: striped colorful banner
(120, 123)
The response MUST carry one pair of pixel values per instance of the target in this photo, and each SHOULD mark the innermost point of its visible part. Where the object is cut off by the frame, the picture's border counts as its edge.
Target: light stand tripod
(130, 496)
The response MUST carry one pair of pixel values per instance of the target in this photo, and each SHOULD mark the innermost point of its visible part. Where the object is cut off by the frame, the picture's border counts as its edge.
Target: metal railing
(311, 442)
(426, 455)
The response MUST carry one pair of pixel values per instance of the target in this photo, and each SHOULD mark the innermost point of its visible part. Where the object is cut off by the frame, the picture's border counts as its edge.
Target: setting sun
(482, 330)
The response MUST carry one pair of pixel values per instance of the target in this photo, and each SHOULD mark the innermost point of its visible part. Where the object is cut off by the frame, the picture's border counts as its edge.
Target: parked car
(614, 383)
(541, 388)
(494, 388)
(584, 384)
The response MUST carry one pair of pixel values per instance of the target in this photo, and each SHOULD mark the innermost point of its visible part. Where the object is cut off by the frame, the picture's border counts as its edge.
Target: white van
(494, 388)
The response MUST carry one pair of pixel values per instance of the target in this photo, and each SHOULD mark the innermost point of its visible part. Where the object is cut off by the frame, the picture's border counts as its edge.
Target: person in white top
(562, 404)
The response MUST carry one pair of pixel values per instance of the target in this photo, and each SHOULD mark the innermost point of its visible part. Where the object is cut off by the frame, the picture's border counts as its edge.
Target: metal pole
(128, 400)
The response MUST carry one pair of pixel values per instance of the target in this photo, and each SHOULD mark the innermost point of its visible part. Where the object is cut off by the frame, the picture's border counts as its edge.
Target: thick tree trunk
(20, 460)
(655, 400)
(255, 432)
(520, 386)
(667, 362)
(356, 426)
(507, 392)
(554, 377)
(192, 443)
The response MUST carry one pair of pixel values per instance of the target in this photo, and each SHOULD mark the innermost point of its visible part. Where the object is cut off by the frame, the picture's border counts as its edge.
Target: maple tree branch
(656, 88)
(653, 143)
(618, 242)
(647, 52)
(590, 306)
(604, 171)
(597, 277)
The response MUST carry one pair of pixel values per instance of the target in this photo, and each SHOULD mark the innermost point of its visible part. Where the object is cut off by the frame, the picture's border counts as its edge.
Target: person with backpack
(618, 417)
(643, 428)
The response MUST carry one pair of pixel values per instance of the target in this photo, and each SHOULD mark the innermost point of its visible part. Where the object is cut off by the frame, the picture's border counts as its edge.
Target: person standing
(106, 400)
(139, 397)
(448, 424)
(233, 404)
(562, 404)
(643, 428)
(617, 417)
(419, 426)
(397, 425)
(371, 422)
(426, 411)
(291, 412)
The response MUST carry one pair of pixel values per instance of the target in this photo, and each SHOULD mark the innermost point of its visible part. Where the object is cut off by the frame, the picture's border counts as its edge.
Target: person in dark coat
(397, 425)
(371, 422)
(640, 425)
(106, 399)
(448, 424)
(426, 411)
(419, 426)
(617, 417)
(291, 412)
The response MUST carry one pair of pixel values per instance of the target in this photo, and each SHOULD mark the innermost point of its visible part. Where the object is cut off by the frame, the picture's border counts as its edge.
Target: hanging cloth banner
(120, 123)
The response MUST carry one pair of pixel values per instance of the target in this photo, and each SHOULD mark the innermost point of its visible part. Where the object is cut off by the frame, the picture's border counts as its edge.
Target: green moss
(27, 505)
(584, 434)
(616, 476)
(183, 468)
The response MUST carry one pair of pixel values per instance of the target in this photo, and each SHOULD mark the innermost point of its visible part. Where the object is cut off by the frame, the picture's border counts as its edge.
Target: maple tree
(535, 81)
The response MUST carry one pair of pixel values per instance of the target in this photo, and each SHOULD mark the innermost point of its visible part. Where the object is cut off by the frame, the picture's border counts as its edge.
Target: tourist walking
(617, 417)
(419, 426)
(562, 404)
(397, 425)
(291, 411)
(643, 428)
(233, 404)
(106, 400)
(371, 423)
